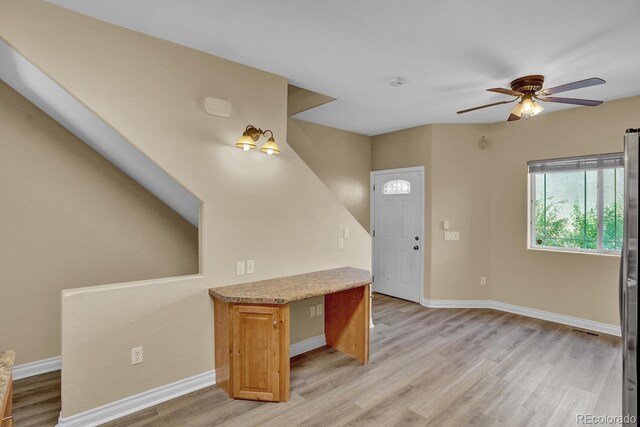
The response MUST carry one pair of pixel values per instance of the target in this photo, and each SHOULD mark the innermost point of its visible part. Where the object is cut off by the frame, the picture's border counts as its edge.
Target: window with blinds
(577, 203)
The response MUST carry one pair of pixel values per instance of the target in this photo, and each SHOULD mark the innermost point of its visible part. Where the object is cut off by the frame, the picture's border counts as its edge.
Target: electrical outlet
(340, 243)
(319, 310)
(346, 233)
(136, 355)
(312, 311)
(251, 266)
(483, 281)
(239, 268)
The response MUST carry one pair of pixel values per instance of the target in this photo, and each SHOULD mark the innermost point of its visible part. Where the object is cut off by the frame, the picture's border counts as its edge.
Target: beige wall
(69, 218)
(483, 194)
(578, 285)
(299, 100)
(341, 159)
(457, 190)
(272, 209)
(460, 185)
(401, 149)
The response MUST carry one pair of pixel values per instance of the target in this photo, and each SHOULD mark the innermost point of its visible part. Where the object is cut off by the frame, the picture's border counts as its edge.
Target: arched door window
(396, 187)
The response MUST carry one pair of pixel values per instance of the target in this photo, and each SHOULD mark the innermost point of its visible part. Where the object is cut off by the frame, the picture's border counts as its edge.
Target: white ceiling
(449, 50)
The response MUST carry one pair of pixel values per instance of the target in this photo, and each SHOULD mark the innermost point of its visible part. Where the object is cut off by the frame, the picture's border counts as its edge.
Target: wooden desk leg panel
(222, 348)
(346, 322)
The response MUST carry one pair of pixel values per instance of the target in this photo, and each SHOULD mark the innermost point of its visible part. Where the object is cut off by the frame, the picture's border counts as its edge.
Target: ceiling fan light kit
(528, 90)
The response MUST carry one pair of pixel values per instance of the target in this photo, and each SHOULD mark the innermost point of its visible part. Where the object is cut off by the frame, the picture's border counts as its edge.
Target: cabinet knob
(275, 323)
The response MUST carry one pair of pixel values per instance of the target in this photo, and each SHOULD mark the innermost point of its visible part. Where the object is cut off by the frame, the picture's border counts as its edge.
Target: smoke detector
(396, 81)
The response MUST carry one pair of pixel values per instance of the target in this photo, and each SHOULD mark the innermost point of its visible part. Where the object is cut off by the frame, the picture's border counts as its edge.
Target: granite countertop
(7, 358)
(284, 290)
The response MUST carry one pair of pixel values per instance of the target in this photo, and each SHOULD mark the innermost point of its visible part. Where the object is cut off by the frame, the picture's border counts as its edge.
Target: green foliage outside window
(558, 224)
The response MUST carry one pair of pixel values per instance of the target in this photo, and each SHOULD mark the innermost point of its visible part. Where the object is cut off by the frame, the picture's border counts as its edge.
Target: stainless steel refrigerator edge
(628, 280)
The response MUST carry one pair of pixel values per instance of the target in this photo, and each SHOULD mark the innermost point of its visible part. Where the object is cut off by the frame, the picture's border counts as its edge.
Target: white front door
(397, 233)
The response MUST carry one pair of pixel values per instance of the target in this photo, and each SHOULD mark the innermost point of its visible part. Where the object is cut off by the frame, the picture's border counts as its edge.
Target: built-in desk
(252, 328)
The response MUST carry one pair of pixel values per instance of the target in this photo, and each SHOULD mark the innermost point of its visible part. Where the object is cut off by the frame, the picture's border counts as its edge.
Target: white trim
(372, 222)
(577, 322)
(137, 402)
(129, 405)
(36, 368)
(455, 303)
(307, 345)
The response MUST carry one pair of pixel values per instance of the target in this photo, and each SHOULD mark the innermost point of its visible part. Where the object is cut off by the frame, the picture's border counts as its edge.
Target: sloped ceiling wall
(45, 93)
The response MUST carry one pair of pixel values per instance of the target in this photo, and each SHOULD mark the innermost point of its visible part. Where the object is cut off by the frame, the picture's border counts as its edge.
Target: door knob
(416, 247)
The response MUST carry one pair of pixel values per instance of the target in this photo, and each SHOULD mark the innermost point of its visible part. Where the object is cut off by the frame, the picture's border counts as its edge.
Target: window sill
(575, 251)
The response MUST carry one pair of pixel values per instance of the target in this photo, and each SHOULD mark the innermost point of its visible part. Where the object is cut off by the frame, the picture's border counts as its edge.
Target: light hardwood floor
(441, 367)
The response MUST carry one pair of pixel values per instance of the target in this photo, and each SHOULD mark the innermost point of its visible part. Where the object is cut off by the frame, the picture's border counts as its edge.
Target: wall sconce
(249, 137)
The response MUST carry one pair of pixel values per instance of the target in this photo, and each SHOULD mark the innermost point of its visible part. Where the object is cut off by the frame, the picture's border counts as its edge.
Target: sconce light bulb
(269, 151)
(246, 147)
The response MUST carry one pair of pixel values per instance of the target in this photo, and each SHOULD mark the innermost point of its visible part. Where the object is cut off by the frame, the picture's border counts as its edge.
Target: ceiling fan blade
(505, 91)
(484, 106)
(593, 81)
(513, 117)
(588, 102)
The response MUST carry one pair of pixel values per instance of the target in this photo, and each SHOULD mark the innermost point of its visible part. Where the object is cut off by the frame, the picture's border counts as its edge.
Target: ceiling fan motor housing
(528, 84)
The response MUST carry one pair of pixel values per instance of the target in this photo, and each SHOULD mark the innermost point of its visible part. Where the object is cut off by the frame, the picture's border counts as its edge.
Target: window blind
(569, 164)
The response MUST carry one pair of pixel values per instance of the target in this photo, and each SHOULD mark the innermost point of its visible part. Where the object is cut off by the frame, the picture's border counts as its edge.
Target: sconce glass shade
(246, 143)
(270, 147)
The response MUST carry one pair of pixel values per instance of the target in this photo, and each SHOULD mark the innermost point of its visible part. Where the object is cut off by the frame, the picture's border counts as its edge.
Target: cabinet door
(256, 352)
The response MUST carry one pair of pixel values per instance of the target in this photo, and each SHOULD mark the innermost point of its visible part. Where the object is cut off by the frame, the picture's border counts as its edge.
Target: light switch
(239, 268)
(345, 232)
(251, 266)
(340, 243)
(319, 310)
(312, 311)
(445, 225)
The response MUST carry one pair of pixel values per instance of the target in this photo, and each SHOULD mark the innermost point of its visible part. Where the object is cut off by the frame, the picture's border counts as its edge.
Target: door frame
(372, 216)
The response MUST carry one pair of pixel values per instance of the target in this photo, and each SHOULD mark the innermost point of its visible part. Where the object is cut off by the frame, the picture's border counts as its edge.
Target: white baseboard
(456, 303)
(131, 404)
(577, 322)
(307, 345)
(36, 368)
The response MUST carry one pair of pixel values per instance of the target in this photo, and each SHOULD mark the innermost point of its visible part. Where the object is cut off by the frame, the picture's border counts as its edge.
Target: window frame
(532, 236)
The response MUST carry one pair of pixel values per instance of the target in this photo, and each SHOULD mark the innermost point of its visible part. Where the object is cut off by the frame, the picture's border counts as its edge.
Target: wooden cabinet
(251, 328)
(252, 350)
